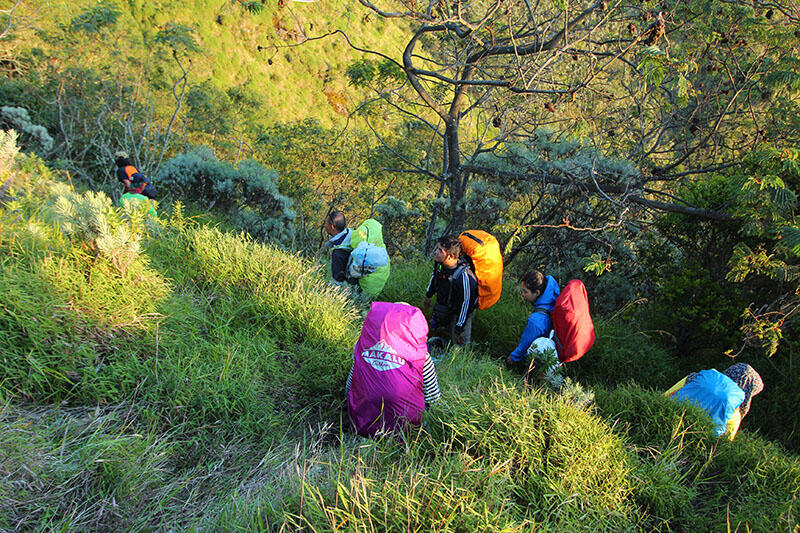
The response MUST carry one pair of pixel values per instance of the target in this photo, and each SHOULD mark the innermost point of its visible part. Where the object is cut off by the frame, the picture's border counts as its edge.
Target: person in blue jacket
(541, 291)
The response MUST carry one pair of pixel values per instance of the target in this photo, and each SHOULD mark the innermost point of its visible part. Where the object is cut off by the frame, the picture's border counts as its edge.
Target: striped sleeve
(431, 286)
(349, 383)
(430, 384)
(463, 313)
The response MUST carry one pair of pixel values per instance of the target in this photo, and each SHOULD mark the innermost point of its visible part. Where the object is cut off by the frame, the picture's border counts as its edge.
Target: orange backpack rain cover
(484, 251)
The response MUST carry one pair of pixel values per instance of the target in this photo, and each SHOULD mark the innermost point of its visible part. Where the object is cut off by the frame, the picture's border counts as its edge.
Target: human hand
(427, 302)
(459, 338)
(510, 362)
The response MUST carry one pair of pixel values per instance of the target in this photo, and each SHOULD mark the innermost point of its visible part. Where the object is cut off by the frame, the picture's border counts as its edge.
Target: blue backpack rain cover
(716, 393)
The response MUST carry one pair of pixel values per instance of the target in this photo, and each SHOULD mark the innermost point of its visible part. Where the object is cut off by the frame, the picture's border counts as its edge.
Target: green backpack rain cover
(371, 231)
(132, 201)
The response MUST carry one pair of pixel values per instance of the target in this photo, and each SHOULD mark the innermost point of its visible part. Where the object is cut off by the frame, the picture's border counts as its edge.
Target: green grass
(228, 37)
(201, 387)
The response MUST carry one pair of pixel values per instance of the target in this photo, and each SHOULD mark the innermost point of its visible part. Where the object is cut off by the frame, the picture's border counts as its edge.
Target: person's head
(532, 285)
(448, 249)
(335, 223)
(121, 159)
(748, 380)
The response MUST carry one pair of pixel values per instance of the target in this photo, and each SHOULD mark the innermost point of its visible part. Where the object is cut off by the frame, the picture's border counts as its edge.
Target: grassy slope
(199, 383)
(302, 81)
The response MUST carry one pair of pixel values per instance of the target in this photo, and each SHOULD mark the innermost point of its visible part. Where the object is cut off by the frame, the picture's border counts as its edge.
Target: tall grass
(201, 387)
(746, 483)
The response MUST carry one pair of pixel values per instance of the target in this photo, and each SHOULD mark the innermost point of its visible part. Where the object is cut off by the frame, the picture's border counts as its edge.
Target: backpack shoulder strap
(473, 237)
(454, 276)
(541, 310)
(458, 271)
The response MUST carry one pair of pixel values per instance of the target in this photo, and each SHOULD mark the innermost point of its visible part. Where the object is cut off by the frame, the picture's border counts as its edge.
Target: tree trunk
(454, 178)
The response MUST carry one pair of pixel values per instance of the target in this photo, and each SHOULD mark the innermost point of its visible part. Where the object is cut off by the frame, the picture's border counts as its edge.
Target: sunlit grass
(203, 389)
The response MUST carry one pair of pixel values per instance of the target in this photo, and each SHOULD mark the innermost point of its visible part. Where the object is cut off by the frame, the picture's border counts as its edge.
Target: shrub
(18, 117)
(248, 192)
(76, 285)
(760, 484)
(554, 451)
(621, 354)
(684, 469)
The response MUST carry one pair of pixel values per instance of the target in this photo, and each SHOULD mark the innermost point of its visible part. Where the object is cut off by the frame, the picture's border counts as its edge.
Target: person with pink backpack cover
(393, 376)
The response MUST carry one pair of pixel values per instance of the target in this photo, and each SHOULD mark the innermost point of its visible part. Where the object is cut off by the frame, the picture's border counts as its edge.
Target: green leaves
(177, 37)
(746, 261)
(684, 89)
(597, 264)
(366, 72)
(790, 238)
(654, 65)
(254, 7)
(95, 19)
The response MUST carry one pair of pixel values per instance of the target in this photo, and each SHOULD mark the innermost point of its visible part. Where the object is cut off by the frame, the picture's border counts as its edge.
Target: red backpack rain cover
(572, 322)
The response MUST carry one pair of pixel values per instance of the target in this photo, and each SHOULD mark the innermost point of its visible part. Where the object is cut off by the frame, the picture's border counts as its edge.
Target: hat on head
(120, 154)
(748, 380)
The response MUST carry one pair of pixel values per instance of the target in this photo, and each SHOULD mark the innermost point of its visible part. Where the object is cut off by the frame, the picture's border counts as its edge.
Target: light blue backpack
(716, 393)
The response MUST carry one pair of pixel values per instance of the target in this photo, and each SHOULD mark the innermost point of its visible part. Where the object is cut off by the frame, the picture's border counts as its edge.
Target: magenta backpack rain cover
(386, 391)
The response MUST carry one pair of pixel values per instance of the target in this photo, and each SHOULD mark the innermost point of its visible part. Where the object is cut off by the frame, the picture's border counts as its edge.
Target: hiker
(335, 225)
(393, 377)
(725, 396)
(369, 260)
(456, 289)
(134, 181)
(132, 201)
(541, 292)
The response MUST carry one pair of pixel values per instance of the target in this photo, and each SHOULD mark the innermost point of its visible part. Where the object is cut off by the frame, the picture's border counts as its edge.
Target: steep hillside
(163, 374)
(282, 54)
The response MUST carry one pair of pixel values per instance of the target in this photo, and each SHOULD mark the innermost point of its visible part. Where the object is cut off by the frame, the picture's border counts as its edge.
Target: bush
(18, 117)
(75, 289)
(621, 355)
(248, 193)
(679, 461)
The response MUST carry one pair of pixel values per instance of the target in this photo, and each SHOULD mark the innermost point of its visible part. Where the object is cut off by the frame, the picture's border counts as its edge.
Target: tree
(589, 116)
(667, 86)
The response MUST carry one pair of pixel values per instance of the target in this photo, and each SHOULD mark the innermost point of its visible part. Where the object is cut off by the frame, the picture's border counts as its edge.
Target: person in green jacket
(132, 201)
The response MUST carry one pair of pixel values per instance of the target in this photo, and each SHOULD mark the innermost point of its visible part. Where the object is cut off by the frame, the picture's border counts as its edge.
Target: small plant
(8, 151)
(177, 37)
(94, 19)
(254, 7)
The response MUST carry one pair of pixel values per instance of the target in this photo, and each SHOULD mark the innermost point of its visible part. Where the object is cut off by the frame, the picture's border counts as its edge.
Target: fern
(784, 198)
(254, 7)
(790, 238)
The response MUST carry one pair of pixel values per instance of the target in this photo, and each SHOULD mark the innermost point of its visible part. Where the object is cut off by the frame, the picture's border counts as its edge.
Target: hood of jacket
(548, 297)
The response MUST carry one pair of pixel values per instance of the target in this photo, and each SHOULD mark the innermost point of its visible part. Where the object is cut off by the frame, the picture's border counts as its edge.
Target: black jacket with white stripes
(456, 292)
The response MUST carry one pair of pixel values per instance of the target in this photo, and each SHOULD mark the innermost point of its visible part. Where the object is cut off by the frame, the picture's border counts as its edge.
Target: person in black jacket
(335, 225)
(134, 181)
(456, 289)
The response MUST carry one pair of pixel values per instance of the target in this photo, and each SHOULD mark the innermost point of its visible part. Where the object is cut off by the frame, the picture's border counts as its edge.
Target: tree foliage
(597, 117)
